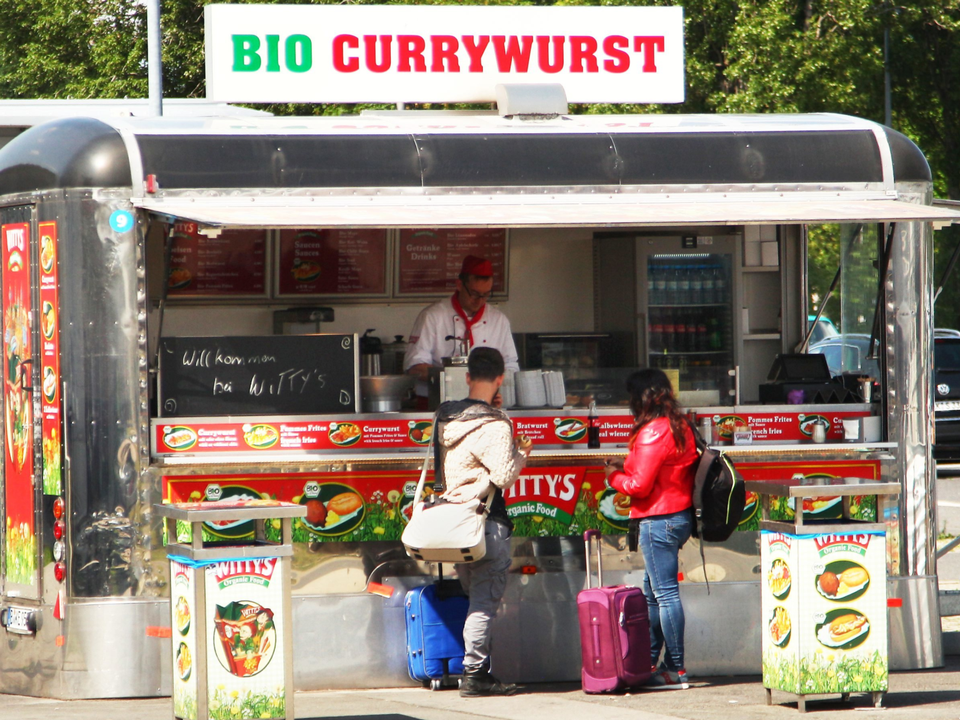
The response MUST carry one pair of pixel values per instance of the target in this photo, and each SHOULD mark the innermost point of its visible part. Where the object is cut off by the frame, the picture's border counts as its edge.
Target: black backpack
(719, 494)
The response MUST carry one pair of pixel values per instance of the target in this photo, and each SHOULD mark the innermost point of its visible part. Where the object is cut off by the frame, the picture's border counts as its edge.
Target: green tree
(64, 49)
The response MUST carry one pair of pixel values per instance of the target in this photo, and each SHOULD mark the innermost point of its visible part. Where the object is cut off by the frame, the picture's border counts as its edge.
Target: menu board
(233, 264)
(430, 260)
(255, 375)
(824, 607)
(332, 262)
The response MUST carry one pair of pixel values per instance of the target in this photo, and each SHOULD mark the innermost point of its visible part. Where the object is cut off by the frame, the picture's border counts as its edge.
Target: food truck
(182, 306)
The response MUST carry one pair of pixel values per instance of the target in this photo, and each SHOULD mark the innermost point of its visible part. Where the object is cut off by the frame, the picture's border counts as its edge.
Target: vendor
(464, 316)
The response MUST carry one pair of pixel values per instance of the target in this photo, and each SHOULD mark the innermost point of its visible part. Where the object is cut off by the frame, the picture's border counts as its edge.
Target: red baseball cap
(473, 265)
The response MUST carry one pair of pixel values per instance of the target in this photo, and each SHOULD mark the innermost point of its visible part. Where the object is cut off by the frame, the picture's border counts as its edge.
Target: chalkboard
(253, 375)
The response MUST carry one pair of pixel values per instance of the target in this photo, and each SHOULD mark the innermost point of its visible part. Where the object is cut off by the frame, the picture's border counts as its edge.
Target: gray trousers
(485, 582)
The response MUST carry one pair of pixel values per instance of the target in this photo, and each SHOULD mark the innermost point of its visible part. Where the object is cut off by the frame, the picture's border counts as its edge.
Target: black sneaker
(484, 685)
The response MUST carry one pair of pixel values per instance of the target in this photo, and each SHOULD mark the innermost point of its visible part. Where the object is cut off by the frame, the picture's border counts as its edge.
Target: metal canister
(706, 429)
(819, 433)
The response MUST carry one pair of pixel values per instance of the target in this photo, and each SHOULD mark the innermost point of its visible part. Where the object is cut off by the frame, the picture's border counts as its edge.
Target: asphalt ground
(924, 695)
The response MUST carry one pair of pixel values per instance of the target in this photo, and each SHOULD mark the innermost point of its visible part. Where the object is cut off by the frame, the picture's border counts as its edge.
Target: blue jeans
(660, 541)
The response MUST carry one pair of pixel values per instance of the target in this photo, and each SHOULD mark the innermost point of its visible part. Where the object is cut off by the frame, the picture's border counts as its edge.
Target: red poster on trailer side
(50, 358)
(21, 547)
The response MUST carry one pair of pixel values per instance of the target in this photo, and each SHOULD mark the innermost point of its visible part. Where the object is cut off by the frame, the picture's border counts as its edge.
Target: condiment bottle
(593, 427)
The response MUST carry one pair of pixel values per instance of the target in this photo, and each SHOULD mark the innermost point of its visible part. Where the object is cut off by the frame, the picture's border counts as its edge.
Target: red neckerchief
(469, 323)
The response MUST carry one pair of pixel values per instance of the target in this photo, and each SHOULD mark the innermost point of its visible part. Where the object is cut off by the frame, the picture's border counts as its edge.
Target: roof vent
(531, 101)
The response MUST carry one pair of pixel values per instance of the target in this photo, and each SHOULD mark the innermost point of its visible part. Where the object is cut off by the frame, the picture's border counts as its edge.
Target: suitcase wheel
(436, 684)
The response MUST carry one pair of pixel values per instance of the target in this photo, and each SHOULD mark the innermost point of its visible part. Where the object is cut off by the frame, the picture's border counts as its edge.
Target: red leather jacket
(656, 476)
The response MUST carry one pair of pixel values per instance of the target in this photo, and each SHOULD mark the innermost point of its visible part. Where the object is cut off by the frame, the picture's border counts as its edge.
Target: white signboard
(419, 53)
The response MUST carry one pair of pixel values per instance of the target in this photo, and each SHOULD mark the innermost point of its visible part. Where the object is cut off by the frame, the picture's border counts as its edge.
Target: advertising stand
(230, 609)
(824, 595)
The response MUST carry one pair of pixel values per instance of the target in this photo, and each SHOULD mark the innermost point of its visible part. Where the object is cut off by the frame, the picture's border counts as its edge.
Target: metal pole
(154, 59)
(887, 107)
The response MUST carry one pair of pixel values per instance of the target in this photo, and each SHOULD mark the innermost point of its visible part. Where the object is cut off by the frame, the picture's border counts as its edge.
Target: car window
(946, 355)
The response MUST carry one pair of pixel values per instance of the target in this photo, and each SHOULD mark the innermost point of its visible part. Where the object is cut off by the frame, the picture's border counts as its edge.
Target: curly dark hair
(651, 397)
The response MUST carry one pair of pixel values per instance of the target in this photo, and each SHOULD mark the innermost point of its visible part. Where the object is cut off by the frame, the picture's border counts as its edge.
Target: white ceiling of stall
(538, 210)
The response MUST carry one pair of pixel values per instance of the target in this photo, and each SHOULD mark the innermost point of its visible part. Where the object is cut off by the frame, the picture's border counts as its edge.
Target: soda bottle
(593, 427)
(652, 285)
(720, 284)
(673, 281)
(683, 284)
(660, 285)
(656, 331)
(680, 331)
(669, 336)
(703, 341)
(696, 285)
(709, 294)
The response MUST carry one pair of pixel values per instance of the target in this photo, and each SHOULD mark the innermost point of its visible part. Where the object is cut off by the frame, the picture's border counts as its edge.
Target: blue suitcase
(434, 623)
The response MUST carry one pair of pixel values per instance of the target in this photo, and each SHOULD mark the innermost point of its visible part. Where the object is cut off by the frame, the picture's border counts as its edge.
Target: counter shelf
(214, 511)
(824, 593)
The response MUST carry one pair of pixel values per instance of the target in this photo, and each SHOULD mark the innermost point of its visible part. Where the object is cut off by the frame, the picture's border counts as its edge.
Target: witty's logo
(779, 542)
(256, 572)
(830, 544)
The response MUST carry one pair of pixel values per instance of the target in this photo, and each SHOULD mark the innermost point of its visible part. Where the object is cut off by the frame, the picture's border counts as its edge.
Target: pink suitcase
(614, 632)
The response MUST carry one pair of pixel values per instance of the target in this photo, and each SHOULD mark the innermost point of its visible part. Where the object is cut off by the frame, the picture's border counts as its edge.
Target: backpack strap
(700, 479)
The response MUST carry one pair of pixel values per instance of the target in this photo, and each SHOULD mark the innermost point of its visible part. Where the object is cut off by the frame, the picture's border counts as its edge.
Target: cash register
(797, 378)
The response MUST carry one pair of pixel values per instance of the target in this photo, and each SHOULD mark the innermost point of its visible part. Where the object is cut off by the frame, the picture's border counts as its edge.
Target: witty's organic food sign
(409, 53)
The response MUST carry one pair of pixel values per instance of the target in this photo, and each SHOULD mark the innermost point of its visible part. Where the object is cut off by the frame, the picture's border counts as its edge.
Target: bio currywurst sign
(409, 53)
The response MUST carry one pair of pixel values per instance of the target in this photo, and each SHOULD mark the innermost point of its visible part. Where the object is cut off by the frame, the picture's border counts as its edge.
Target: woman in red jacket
(658, 476)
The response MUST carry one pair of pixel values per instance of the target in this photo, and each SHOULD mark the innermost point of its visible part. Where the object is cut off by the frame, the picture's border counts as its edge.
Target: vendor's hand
(612, 465)
(523, 444)
(497, 400)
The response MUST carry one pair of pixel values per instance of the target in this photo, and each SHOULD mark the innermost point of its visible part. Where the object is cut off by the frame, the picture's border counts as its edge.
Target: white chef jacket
(428, 345)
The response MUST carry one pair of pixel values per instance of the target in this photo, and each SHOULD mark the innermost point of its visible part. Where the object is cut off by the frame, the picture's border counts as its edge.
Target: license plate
(19, 620)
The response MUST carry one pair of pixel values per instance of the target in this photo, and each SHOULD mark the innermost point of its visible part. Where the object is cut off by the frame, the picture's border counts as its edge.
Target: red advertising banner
(332, 262)
(430, 260)
(231, 264)
(50, 358)
(359, 506)
(862, 507)
(21, 542)
(775, 426)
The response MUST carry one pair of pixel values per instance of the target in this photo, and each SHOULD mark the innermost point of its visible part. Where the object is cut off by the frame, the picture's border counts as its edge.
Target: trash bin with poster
(824, 595)
(230, 604)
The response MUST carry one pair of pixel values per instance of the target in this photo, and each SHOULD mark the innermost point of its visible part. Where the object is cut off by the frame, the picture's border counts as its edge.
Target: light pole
(154, 58)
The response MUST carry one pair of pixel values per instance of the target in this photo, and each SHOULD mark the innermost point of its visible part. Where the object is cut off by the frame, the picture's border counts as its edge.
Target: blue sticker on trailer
(121, 221)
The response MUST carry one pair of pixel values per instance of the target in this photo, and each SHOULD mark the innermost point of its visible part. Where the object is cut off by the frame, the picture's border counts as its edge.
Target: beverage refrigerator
(685, 295)
(677, 293)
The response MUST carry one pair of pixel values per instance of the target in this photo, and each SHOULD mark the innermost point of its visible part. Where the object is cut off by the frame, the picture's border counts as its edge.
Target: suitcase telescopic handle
(587, 536)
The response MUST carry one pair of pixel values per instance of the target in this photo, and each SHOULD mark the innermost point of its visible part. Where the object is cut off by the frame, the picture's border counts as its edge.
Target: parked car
(824, 328)
(946, 397)
(848, 353)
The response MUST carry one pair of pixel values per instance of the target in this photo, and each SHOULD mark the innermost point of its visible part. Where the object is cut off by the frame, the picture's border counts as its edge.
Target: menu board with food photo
(232, 264)
(349, 261)
(21, 541)
(429, 260)
(184, 638)
(825, 607)
(50, 372)
(243, 600)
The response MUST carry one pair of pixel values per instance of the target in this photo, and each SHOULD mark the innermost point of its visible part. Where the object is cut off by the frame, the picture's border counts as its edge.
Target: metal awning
(538, 209)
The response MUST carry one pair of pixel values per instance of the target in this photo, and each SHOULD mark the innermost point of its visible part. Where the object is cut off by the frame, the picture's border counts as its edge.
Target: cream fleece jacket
(478, 451)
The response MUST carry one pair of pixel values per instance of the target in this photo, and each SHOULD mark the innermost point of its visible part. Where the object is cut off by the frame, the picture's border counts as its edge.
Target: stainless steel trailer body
(111, 187)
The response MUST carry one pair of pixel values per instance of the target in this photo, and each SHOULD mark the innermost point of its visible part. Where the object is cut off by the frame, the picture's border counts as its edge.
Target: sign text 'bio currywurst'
(342, 53)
